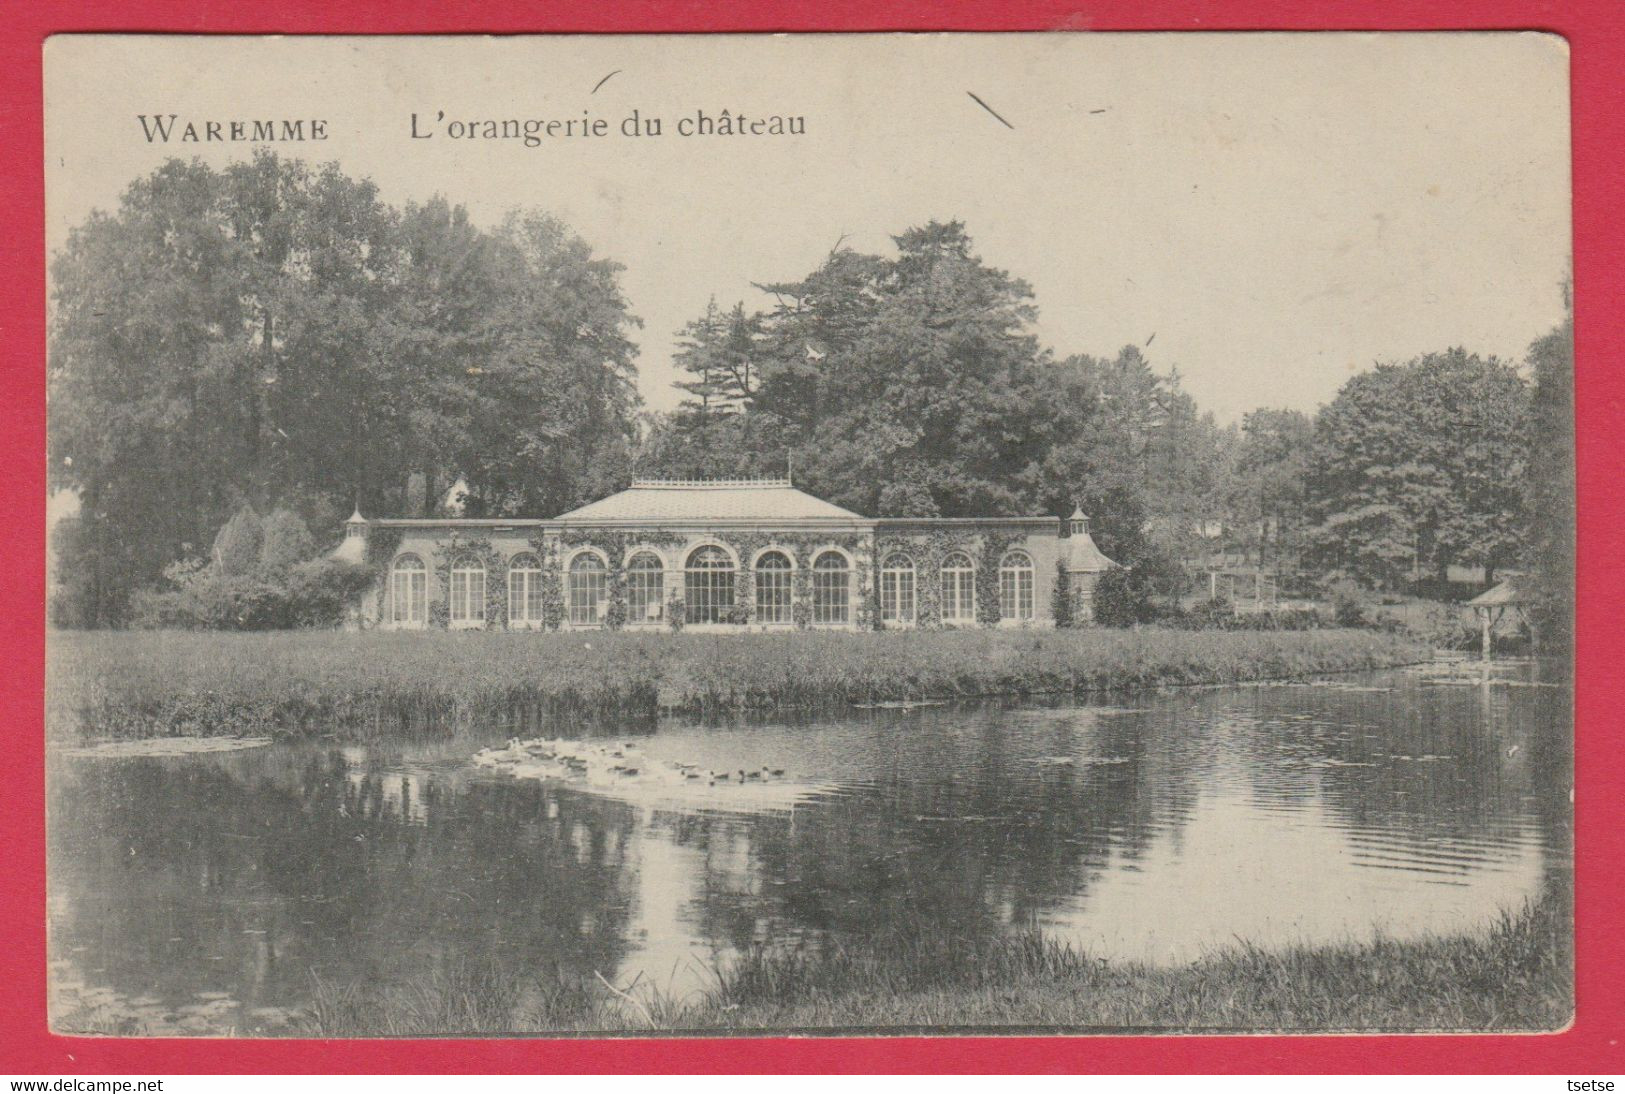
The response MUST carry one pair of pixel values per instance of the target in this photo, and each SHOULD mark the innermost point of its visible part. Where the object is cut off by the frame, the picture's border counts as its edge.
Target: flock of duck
(608, 763)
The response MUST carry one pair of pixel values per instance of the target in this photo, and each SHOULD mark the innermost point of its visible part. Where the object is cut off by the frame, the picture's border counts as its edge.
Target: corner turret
(353, 547)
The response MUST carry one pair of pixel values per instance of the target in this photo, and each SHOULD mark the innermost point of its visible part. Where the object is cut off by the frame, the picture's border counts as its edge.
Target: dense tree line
(1419, 467)
(912, 385)
(273, 334)
(1550, 485)
(272, 338)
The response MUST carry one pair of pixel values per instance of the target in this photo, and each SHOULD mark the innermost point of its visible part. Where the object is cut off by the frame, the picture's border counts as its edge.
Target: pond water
(202, 893)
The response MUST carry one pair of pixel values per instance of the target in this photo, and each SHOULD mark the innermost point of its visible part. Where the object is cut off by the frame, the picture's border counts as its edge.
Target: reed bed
(113, 684)
(1515, 975)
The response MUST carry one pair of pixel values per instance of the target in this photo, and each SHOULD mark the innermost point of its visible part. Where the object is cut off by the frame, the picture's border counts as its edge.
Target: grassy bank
(1515, 975)
(155, 683)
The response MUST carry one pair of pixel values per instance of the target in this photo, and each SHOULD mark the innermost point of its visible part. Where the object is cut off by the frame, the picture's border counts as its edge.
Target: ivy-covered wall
(617, 549)
(476, 548)
(383, 544)
(986, 547)
(927, 549)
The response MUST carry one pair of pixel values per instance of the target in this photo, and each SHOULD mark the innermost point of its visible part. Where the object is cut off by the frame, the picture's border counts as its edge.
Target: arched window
(645, 588)
(467, 593)
(525, 591)
(587, 587)
(958, 589)
(1016, 586)
(708, 586)
(897, 590)
(773, 588)
(832, 588)
(409, 592)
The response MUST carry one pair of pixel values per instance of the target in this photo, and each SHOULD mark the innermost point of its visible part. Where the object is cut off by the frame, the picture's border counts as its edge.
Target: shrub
(1120, 601)
(285, 542)
(312, 594)
(615, 610)
(1351, 602)
(259, 578)
(237, 544)
(320, 590)
(1214, 612)
(210, 600)
(1060, 605)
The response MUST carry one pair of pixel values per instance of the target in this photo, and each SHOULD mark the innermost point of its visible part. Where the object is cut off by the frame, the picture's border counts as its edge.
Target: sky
(1269, 213)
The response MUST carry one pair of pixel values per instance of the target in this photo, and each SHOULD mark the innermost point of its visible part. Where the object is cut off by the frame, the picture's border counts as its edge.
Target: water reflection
(1275, 815)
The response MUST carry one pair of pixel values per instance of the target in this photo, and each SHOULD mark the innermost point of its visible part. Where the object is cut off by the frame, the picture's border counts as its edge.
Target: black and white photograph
(794, 534)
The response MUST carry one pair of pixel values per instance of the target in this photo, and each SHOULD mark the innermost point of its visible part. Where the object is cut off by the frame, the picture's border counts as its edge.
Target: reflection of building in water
(1274, 814)
(720, 554)
(402, 795)
(965, 834)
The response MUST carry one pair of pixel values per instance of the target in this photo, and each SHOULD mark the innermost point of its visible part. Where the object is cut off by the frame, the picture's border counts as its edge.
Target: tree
(139, 383)
(1120, 601)
(271, 334)
(1420, 464)
(719, 350)
(680, 445)
(1060, 601)
(285, 542)
(1549, 494)
(239, 544)
(1127, 446)
(913, 386)
(547, 417)
(699, 352)
(1188, 463)
(901, 386)
(1266, 492)
(202, 340)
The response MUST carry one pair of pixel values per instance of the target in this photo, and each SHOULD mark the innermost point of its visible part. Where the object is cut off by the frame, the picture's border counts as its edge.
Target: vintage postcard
(766, 534)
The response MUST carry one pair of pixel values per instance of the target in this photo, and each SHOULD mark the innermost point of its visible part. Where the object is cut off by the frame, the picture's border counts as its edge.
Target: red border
(1595, 30)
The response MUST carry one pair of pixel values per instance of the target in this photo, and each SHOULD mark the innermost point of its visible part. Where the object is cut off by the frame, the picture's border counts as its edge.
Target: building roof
(1084, 557)
(710, 499)
(350, 549)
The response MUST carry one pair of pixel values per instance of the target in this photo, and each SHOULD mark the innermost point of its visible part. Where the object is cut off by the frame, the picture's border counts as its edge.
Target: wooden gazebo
(1490, 605)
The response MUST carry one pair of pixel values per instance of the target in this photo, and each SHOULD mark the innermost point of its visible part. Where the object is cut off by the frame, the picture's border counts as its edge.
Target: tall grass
(1514, 975)
(123, 684)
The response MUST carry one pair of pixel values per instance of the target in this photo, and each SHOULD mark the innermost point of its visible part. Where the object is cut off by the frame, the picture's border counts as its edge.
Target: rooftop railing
(767, 480)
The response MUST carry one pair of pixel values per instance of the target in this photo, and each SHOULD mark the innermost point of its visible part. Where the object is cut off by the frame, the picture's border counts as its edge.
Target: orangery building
(739, 554)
